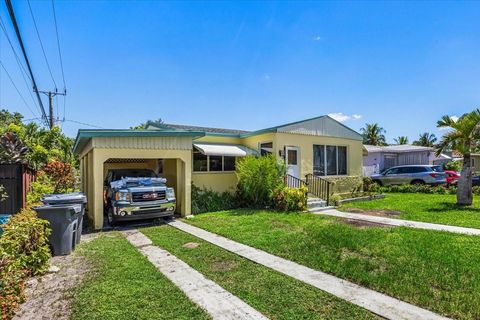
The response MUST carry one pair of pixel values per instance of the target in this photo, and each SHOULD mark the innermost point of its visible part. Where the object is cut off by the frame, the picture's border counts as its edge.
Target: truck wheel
(110, 216)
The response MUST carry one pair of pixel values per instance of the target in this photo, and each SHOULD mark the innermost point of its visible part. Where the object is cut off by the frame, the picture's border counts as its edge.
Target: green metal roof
(84, 135)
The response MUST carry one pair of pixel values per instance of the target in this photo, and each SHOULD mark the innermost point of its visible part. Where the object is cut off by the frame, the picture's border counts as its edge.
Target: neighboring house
(207, 156)
(378, 158)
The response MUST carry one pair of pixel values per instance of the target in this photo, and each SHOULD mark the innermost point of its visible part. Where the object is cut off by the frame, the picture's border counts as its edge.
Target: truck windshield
(119, 174)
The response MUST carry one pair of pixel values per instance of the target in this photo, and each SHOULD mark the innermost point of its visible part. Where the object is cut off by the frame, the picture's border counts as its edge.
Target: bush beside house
(24, 252)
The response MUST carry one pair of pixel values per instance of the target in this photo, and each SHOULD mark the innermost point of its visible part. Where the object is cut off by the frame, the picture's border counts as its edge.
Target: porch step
(315, 204)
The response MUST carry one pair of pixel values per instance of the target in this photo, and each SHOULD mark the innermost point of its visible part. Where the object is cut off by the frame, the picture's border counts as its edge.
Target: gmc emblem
(150, 196)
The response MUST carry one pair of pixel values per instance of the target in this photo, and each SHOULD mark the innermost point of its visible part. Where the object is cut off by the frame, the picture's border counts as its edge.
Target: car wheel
(417, 182)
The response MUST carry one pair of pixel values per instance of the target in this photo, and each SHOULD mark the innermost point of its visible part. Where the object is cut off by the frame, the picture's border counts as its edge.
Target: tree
(373, 134)
(425, 140)
(143, 126)
(463, 137)
(401, 140)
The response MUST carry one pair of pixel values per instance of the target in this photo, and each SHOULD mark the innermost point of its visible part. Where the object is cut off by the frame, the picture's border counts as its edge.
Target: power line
(19, 37)
(16, 88)
(85, 124)
(11, 46)
(58, 45)
(41, 43)
(23, 72)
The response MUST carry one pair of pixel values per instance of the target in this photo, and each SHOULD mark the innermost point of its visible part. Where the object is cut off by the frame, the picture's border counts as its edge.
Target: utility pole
(50, 94)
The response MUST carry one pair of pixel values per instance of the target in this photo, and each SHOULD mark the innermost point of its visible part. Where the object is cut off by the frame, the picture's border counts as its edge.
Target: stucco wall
(305, 143)
(217, 181)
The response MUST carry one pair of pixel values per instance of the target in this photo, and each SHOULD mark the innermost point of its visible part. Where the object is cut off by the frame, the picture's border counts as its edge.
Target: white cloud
(266, 77)
(317, 38)
(454, 118)
(339, 116)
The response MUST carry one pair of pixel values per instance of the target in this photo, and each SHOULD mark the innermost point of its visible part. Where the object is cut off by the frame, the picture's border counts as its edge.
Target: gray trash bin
(69, 198)
(63, 222)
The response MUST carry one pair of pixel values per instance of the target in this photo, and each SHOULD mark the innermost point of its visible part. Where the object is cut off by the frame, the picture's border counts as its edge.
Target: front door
(292, 160)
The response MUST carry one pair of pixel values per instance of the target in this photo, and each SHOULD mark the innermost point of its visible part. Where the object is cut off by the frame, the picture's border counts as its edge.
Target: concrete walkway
(373, 301)
(216, 301)
(397, 222)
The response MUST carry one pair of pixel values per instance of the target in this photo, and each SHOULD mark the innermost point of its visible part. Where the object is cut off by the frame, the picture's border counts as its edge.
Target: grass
(435, 270)
(124, 285)
(433, 208)
(275, 295)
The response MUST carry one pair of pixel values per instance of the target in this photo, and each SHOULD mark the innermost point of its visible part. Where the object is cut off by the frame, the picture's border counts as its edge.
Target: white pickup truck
(135, 194)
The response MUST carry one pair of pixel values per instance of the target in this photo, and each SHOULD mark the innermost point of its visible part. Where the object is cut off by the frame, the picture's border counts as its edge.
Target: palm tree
(463, 137)
(401, 140)
(425, 140)
(373, 134)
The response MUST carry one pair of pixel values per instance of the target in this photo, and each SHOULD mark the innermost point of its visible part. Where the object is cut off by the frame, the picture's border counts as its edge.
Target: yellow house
(206, 157)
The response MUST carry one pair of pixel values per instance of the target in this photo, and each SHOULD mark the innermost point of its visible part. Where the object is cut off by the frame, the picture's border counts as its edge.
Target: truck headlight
(122, 196)
(170, 193)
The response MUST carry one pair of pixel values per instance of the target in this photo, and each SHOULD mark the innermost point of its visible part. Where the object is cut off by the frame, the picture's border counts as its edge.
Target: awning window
(228, 150)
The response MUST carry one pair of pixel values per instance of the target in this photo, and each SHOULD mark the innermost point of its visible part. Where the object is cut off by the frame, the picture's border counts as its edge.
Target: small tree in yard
(62, 175)
(259, 179)
(463, 137)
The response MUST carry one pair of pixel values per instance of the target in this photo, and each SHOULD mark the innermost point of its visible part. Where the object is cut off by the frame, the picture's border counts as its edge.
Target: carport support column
(97, 184)
(187, 195)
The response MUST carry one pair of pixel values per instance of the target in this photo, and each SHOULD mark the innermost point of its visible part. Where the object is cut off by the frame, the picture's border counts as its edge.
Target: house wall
(306, 142)
(226, 181)
(475, 158)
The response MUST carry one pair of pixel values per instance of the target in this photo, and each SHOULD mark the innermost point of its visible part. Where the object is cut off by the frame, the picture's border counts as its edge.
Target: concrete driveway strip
(216, 301)
(398, 222)
(373, 301)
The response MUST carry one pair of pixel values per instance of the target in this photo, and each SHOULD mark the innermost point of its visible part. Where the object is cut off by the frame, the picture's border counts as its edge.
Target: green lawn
(275, 295)
(426, 207)
(435, 270)
(124, 285)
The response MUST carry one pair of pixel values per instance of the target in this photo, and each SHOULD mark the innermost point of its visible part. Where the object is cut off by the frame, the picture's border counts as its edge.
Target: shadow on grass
(449, 206)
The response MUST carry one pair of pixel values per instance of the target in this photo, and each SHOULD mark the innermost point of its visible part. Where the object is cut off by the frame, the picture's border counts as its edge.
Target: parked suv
(413, 174)
(135, 194)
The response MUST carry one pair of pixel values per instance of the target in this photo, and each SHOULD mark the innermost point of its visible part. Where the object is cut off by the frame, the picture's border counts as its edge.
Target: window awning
(229, 150)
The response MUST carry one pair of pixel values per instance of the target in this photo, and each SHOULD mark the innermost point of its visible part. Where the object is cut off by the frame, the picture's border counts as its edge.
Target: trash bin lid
(65, 198)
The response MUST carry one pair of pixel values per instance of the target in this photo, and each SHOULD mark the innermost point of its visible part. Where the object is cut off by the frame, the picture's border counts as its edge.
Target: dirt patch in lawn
(191, 245)
(50, 296)
(364, 224)
(374, 212)
(224, 265)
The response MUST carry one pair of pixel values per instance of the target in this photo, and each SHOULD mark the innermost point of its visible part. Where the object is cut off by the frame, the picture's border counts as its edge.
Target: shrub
(368, 185)
(41, 186)
(62, 174)
(259, 178)
(24, 252)
(408, 188)
(291, 199)
(12, 285)
(25, 240)
(454, 165)
(334, 199)
(207, 200)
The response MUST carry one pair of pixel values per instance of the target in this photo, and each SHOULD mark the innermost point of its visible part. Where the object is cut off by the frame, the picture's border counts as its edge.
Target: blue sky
(251, 65)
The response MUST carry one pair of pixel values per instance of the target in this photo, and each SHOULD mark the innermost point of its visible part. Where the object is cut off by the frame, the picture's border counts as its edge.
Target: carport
(167, 152)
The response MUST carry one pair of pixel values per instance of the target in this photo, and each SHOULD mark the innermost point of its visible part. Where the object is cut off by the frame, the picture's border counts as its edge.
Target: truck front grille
(148, 196)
